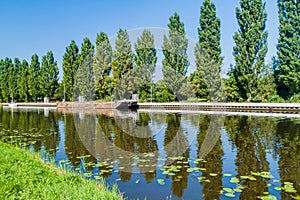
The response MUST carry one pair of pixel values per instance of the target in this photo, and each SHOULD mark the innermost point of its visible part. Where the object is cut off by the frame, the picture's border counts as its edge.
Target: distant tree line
(99, 72)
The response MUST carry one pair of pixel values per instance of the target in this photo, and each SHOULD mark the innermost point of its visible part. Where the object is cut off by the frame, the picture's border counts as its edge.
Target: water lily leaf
(276, 181)
(234, 180)
(229, 195)
(277, 188)
(266, 193)
(213, 174)
(161, 181)
(237, 190)
(268, 197)
(227, 175)
(229, 190)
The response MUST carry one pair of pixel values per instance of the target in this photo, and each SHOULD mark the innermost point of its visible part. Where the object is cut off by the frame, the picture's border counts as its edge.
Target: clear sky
(37, 26)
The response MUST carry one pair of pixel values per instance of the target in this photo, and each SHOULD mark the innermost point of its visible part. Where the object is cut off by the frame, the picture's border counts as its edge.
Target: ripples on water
(167, 156)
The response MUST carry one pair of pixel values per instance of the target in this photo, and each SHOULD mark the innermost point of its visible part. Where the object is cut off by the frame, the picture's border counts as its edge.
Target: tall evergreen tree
(13, 79)
(250, 46)
(33, 82)
(287, 68)
(102, 66)
(208, 50)
(1, 79)
(5, 90)
(23, 81)
(175, 62)
(48, 79)
(145, 59)
(122, 65)
(70, 66)
(84, 82)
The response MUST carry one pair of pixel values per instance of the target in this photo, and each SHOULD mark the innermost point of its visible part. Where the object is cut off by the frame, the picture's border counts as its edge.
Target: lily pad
(234, 180)
(213, 174)
(161, 181)
(227, 175)
(229, 190)
(268, 197)
(230, 195)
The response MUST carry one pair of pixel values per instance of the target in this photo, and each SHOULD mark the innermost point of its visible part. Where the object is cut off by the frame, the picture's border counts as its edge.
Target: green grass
(24, 176)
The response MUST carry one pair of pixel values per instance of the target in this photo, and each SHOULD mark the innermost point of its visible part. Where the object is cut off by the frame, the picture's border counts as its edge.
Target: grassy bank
(24, 176)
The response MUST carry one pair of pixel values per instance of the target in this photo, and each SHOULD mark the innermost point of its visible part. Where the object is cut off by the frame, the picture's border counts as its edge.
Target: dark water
(168, 156)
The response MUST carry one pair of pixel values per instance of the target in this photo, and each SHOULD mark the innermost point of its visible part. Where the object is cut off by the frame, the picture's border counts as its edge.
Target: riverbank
(24, 176)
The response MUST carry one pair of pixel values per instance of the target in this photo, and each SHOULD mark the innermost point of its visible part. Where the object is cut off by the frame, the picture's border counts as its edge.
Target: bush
(295, 98)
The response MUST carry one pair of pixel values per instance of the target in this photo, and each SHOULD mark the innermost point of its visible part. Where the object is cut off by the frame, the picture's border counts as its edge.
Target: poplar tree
(33, 82)
(13, 79)
(250, 46)
(70, 66)
(145, 59)
(287, 66)
(5, 91)
(175, 62)
(23, 81)
(84, 82)
(48, 79)
(208, 50)
(122, 64)
(102, 66)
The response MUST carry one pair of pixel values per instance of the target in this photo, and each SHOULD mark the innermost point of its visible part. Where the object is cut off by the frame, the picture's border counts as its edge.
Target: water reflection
(135, 150)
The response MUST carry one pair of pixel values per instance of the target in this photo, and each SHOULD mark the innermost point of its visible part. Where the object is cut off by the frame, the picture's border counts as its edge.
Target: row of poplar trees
(99, 72)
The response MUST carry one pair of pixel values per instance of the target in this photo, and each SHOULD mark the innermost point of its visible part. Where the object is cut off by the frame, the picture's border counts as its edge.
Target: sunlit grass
(24, 176)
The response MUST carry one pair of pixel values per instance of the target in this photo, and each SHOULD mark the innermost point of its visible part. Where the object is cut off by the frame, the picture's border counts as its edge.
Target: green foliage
(287, 67)
(69, 66)
(198, 83)
(266, 88)
(33, 82)
(102, 66)
(48, 78)
(250, 46)
(175, 62)
(23, 81)
(231, 89)
(13, 79)
(145, 59)
(208, 51)
(122, 64)
(84, 83)
(6, 65)
(295, 98)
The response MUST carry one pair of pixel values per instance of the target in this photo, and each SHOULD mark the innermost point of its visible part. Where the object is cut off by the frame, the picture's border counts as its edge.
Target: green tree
(145, 59)
(266, 88)
(13, 79)
(208, 50)
(70, 66)
(84, 83)
(287, 68)
(198, 83)
(175, 62)
(5, 90)
(250, 46)
(230, 87)
(33, 82)
(102, 66)
(122, 65)
(48, 79)
(23, 81)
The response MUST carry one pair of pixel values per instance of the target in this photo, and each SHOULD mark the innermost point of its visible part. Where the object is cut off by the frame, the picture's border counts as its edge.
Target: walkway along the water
(231, 107)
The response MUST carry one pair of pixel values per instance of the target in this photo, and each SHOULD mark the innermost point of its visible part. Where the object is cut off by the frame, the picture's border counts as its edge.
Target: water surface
(167, 155)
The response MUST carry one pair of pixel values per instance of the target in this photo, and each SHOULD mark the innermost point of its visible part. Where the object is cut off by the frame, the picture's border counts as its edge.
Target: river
(161, 155)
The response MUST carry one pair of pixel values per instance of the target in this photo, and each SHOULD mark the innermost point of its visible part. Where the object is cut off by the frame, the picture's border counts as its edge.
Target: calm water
(168, 156)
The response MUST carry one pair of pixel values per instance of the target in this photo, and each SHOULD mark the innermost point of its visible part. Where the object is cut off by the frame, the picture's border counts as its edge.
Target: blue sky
(35, 26)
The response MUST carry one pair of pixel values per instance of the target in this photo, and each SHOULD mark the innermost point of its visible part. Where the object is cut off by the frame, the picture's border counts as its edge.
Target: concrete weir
(293, 108)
